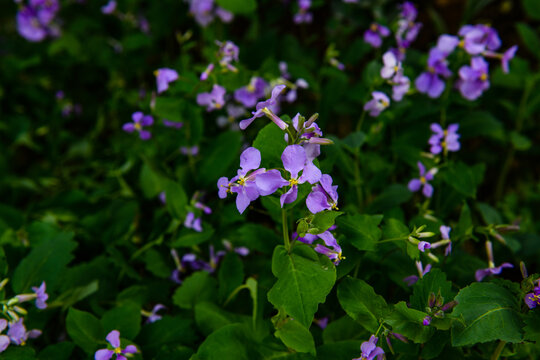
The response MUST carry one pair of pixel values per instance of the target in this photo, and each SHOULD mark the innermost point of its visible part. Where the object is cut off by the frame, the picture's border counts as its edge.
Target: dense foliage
(264, 179)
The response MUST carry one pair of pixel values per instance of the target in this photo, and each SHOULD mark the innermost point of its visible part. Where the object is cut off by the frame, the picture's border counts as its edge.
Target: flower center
(138, 126)
(118, 350)
(242, 181)
(334, 206)
(422, 179)
(396, 68)
(293, 182)
(461, 43)
(483, 77)
(373, 27)
(156, 73)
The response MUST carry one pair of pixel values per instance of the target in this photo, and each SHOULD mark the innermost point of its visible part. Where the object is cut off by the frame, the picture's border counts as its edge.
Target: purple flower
(429, 82)
(400, 86)
(249, 95)
(42, 296)
(323, 322)
(411, 280)
(445, 234)
(109, 8)
(202, 11)
(423, 245)
(193, 223)
(294, 160)
(164, 76)
(303, 15)
(214, 99)
(531, 299)
(375, 33)
(482, 273)
(262, 108)
(227, 53)
(506, 57)
(46, 9)
(408, 11)
(206, 72)
(139, 122)
(376, 105)
(241, 250)
(478, 38)
(243, 184)
(444, 140)
(474, 79)
(323, 196)
(491, 269)
(370, 350)
(233, 112)
(4, 339)
(426, 321)
(331, 248)
(422, 182)
(153, 316)
(29, 26)
(162, 197)
(114, 339)
(447, 44)
(189, 151)
(392, 65)
(173, 124)
(18, 335)
(224, 15)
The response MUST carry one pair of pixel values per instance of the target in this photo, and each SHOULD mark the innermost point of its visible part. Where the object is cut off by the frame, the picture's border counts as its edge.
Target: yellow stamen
(483, 77)
(422, 179)
(117, 350)
(461, 43)
(138, 126)
(334, 206)
(293, 182)
(156, 73)
(373, 27)
(242, 180)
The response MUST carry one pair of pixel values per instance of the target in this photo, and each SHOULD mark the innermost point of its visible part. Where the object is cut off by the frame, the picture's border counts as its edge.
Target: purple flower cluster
(393, 72)
(121, 353)
(444, 140)
(205, 11)
(140, 121)
(532, 299)
(478, 41)
(370, 350)
(36, 20)
(331, 248)
(227, 53)
(303, 15)
(436, 308)
(407, 30)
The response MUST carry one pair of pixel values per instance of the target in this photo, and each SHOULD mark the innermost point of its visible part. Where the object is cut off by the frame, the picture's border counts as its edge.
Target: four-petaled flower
(165, 76)
(429, 81)
(422, 182)
(41, 296)
(114, 339)
(375, 33)
(250, 94)
(139, 122)
(473, 80)
(323, 196)
(331, 248)
(370, 350)
(18, 335)
(294, 160)
(532, 299)
(214, 99)
(377, 104)
(444, 140)
(262, 108)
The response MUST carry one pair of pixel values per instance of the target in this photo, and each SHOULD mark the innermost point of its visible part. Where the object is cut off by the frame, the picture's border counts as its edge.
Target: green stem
(498, 350)
(401, 238)
(286, 240)
(361, 121)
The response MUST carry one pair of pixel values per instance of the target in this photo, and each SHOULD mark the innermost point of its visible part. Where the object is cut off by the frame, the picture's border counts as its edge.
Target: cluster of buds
(436, 308)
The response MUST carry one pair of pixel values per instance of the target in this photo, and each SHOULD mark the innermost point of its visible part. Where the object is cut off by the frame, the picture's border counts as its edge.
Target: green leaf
(270, 143)
(60, 351)
(519, 141)
(532, 326)
(228, 343)
(209, 317)
(465, 225)
(126, 319)
(225, 149)
(169, 108)
(530, 38)
(196, 288)
(84, 329)
(361, 230)
(462, 178)
(169, 330)
(304, 280)
(155, 263)
(391, 197)
(46, 262)
(238, 6)
(323, 220)
(176, 199)
(394, 228)
(151, 182)
(230, 275)
(190, 238)
(295, 336)
(19, 353)
(341, 329)
(483, 308)
(432, 282)
(481, 123)
(354, 140)
(532, 8)
(361, 303)
(489, 214)
(408, 322)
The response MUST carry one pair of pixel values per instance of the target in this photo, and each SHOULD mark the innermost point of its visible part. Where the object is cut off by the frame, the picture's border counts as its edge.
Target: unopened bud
(425, 234)
(320, 141)
(523, 269)
(311, 120)
(431, 300)
(20, 310)
(449, 306)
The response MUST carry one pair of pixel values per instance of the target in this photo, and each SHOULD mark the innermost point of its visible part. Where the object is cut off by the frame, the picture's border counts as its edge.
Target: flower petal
(294, 159)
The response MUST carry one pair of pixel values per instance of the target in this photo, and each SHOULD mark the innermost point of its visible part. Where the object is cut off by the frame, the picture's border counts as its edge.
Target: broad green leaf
(225, 152)
(465, 224)
(323, 220)
(60, 351)
(532, 326)
(433, 282)
(461, 177)
(198, 287)
(345, 350)
(482, 309)
(354, 140)
(85, 330)
(230, 275)
(530, 38)
(46, 262)
(297, 337)
(167, 331)
(408, 322)
(151, 182)
(520, 142)
(209, 317)
(304, 281)
(125, 318)
(393, 229)
(489, 214)
(238, 6)
(176, 199)
(231, 342)
(343, 328)
(189, 238)
(270, 143)
(391, 197)
(19, 353)
(361, 230)
(532, 8)
(169, 108)
(155, 263)
(361, 303)
(481, 123)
